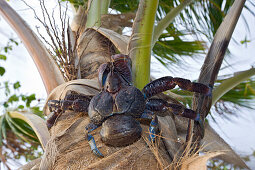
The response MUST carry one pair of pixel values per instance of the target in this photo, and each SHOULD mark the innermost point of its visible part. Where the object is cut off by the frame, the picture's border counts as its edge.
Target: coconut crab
(119, 104)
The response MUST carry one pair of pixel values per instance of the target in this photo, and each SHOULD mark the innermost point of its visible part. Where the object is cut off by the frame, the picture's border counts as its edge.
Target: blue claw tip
(209, 93)
(199, 121)
(90, 137)
(152, 135)
(197, 117)
(144, 95)
(93, 146)
(98, 153)
(154, 123)
(152, 138)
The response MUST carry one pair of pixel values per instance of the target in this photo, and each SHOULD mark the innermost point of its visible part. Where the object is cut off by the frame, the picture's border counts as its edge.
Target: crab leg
(89, 128)
(77, 104)
(54, 105)
(168, 82)
(73, 102)
(161, 105)
(74, 96)
(52, 118)
(153, 129)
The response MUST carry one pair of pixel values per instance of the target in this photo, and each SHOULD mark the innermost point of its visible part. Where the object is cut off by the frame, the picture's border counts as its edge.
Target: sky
(236, 132)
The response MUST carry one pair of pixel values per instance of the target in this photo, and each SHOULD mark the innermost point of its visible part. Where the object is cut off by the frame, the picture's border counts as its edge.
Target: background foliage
(17, 138)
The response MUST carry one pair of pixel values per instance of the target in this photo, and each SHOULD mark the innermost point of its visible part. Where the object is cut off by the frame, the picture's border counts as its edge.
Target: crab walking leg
(75, 102)
(74, 96)
(168, 82)
(52, 118)
(77, 105)
(161, 105)
(58, 107)
(153, 129)
(89, 128)
(54, 105)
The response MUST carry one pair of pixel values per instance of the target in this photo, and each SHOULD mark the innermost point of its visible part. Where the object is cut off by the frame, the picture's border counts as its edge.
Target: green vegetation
(17, 138)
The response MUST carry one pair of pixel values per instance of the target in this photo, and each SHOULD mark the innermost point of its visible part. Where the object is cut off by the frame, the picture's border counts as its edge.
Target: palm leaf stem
(104, 6)
(212, 64)
(140, 42)
(230, 83)
(94, 14)
(48, 69)
(15, 131)
(1, 130)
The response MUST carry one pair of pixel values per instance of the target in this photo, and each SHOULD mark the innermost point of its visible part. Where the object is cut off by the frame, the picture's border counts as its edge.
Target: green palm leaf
(173, 47)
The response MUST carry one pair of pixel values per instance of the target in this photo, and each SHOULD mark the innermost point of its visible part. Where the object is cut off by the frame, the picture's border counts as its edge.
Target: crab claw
(93, 146)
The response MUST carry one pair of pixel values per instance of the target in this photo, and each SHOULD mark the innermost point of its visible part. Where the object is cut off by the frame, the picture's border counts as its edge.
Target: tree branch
(212, 64)
(49, 71)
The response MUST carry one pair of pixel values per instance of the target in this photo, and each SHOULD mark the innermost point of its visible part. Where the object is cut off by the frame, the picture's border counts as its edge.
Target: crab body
(119, 104)
(120, 130)
(117, 113)
(127, 101)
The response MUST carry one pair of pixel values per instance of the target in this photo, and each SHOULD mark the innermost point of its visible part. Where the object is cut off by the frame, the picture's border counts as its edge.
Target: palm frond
(201, 20)
(243, 95)
(239, 97)
(195, 25)
(173, 47)
(124, 6)
(51, 75)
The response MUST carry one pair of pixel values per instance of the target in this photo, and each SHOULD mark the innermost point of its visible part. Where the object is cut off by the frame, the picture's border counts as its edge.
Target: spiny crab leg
(89, 128)
(75, 102)
(161, 105)
(168, 82)
(153, 129)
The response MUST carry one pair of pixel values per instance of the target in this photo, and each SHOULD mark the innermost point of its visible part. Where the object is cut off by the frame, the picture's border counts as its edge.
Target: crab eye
(103, 71)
